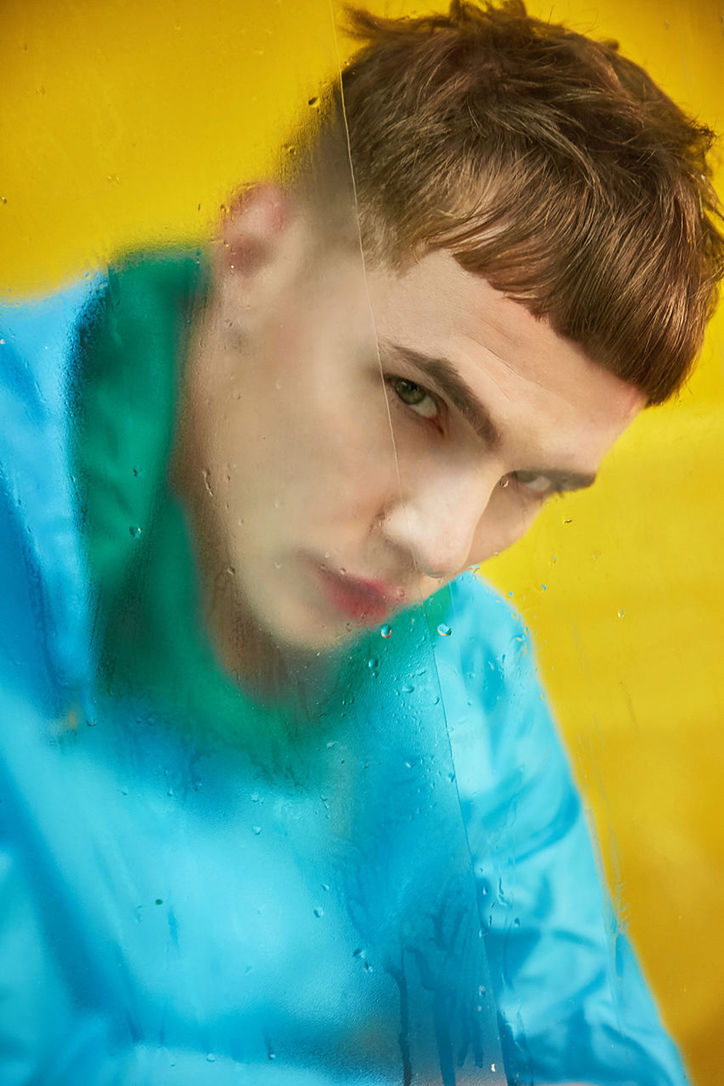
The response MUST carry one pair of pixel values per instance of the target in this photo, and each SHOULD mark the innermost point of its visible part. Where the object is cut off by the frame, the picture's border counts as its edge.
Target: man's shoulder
(496, 709)
(35, 340)
(481, 648)
(485, 625)
(42, 587)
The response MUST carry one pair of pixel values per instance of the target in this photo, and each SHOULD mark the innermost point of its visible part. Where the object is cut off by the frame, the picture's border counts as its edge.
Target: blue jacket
(390, 883)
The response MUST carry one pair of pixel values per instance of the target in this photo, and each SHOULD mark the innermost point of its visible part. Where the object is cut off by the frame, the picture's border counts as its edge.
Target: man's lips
(359, 598)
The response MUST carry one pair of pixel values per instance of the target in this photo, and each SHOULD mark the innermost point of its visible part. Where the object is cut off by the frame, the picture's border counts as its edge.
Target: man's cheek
(500, 528)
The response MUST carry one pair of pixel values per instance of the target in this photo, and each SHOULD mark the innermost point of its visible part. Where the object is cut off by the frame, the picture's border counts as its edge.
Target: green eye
(416, 397)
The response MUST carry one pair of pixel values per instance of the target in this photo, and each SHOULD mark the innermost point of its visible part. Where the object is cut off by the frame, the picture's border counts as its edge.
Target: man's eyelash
(553, 489)
(394, 380)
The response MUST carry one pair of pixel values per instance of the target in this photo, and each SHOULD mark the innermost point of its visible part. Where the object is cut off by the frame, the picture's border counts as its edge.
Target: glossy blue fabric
(405, 892)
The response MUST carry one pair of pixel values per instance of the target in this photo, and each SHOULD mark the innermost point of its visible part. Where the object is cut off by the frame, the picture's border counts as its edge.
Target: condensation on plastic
(202, 880)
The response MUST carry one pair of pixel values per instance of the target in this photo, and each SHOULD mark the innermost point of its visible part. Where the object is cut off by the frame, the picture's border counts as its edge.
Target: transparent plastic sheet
(300, 884)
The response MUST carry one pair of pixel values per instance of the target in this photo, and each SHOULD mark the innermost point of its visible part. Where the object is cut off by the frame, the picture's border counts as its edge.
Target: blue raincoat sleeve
(43, 597)
(573, 1003)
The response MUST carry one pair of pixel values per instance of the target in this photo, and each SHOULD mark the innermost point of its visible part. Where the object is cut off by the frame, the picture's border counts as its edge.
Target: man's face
(364, 439)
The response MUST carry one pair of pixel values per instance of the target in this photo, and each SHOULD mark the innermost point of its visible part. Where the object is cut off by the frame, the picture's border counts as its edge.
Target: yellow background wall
(127, 123)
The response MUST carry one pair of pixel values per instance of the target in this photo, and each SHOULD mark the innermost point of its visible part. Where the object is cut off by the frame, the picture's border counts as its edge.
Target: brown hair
(544, 161)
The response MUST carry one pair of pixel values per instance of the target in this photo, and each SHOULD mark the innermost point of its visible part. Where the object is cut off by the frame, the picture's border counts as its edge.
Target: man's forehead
(445, 312)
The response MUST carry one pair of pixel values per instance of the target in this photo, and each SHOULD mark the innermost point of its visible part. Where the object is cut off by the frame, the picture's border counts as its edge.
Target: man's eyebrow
(444, 376)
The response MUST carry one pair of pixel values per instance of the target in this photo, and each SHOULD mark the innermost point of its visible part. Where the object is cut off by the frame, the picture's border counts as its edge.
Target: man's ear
(262, 241)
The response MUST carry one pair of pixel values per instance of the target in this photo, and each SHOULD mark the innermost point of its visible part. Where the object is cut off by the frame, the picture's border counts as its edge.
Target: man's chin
(327, 641)
(318, 630)
(264, 647)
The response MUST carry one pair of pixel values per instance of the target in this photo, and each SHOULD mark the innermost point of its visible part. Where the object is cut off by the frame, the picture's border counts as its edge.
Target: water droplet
(159, 901)
(257, 830)
(516, 923)
(319, 911)
(444, 630)
(134, 531)
(621, 613)
(211, 1058)
(373, 663)
(386, 630)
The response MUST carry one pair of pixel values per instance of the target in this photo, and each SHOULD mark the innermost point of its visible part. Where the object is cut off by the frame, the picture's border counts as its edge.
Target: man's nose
(436, 522)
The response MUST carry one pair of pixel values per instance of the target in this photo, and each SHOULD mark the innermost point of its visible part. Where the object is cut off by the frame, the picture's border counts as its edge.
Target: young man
(281, 800)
